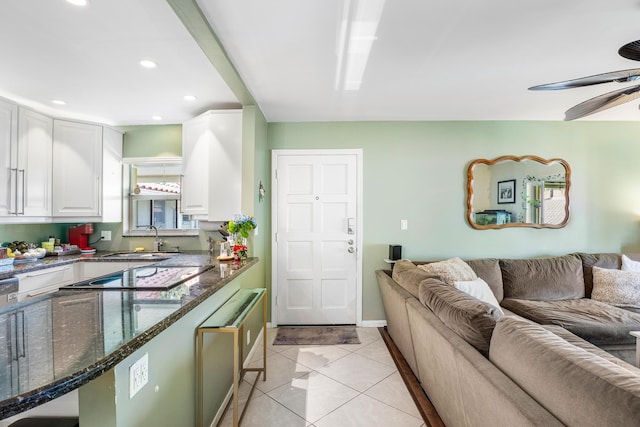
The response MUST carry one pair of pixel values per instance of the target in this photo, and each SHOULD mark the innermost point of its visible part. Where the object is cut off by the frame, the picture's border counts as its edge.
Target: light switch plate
(403, 224)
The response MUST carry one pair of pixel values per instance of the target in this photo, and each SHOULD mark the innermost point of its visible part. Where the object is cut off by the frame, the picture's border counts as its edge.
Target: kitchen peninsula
(89, 339)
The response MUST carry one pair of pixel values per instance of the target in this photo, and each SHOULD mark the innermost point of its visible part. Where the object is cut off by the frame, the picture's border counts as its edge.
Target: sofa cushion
(579, 387)
(488, 269)
(628, 264)
(478, 289)
(547, 279)
(594, 321)
(450, 270)
(470, 318)
(409, 276)
(603, 260)
(579, 342)
(616, 287)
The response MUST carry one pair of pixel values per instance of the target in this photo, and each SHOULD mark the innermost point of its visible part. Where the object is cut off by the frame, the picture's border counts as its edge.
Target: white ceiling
(88, 56)
(420, 60)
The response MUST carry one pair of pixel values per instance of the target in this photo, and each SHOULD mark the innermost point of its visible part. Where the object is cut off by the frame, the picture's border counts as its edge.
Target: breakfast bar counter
(55, 343)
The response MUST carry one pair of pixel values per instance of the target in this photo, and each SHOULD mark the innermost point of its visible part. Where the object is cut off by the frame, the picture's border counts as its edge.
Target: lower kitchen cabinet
(91, 270)
(26, 348)
(42, 281)
(81, 315)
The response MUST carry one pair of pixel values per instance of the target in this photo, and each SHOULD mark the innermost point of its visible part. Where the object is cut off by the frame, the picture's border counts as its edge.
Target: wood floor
(426, 409)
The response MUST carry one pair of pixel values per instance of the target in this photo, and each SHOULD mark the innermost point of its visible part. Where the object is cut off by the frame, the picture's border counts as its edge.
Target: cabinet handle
(14, 336)
(45, 291)
(15, 194)
(47, 271)
(98, 195)
(24, 351)
(24, 190)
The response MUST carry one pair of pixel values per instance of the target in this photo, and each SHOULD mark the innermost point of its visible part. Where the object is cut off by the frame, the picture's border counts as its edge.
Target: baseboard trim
(374, 323)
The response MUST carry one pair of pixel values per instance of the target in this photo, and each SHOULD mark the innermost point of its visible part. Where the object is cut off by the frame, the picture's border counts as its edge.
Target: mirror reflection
(511, 191)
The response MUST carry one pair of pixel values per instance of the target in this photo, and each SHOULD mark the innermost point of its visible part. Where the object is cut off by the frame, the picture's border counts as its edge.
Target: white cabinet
(26, 348)
(91, 270)
(8, 155)
(42, 281)
(26, 148)
(111, 175)
(212, 165)
(35, 146)
(77, 169)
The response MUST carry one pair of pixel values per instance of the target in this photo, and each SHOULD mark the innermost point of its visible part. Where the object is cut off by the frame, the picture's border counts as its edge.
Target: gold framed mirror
(518, 191)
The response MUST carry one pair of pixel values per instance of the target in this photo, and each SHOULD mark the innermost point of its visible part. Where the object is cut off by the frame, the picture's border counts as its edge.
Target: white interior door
(316, 237)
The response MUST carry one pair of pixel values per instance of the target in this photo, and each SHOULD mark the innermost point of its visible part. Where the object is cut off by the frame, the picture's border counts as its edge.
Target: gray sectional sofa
(549, 356)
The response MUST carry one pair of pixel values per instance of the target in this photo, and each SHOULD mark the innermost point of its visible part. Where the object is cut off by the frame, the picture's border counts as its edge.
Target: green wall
(417, 171)
(152, 141)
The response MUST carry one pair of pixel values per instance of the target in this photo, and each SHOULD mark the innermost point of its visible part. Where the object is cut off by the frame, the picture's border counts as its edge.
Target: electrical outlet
(248, 336)
(403, 224)
(138, 375)
(105, 235)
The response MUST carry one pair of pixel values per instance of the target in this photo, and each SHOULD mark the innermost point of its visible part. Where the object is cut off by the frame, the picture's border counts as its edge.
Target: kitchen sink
(143, 255)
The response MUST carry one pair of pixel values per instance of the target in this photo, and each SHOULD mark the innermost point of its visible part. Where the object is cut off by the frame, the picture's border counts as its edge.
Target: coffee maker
(79, 235)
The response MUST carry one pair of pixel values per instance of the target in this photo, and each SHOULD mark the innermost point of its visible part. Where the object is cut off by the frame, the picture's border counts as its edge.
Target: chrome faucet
(157, 244)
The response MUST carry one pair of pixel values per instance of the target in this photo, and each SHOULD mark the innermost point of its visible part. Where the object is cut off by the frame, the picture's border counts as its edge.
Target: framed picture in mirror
(507, 191)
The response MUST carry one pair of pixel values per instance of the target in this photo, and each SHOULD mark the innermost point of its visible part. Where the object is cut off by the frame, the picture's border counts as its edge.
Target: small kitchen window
(152, 198)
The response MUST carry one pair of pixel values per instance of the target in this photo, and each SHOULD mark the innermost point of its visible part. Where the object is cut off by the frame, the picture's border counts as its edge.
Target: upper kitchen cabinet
(111, 175)
(87, 172)
(26, 147)
(8, 150)
(212, 165)
(77, 169)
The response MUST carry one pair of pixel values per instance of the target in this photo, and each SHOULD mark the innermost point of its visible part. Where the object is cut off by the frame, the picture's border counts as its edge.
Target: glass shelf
(235, 310)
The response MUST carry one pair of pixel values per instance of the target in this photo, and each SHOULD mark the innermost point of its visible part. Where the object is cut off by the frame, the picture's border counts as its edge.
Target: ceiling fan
(606, 100)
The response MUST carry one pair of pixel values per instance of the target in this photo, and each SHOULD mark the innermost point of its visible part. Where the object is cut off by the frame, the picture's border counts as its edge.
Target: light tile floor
(327, 386)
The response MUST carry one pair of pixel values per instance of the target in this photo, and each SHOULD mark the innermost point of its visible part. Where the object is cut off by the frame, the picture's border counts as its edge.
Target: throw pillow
(450, 270)
(629, 265)
(478, 289)
(616, 287)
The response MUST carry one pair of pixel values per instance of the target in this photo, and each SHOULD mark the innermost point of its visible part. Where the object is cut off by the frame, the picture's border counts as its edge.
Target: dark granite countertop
(52, 344)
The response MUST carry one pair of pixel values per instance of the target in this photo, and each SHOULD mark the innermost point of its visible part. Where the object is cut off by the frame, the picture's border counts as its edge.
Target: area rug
(316, 335)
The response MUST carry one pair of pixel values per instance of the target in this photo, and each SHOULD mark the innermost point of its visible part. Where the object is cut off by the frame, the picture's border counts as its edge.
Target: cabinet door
(6, 356)
(35, 146)
(82, 316)
(196, 144)
(77, 169)
(8, 156)
(41, 281)
(112, 175)
(212, 165)
(91, 270)
(36, 367)
(225, 181)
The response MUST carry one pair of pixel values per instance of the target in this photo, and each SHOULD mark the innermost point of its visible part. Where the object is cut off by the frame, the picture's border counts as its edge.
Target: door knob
(350, 242)
(351, 250)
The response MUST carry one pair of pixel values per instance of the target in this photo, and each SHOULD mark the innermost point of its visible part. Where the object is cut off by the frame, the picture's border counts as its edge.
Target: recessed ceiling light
(147, 63)
(78, 2)
(156, 117)
(58, 102)
(190, 98)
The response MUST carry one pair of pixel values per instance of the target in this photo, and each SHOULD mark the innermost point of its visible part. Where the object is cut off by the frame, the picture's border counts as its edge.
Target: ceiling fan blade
(603, 102)
(613, 76)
